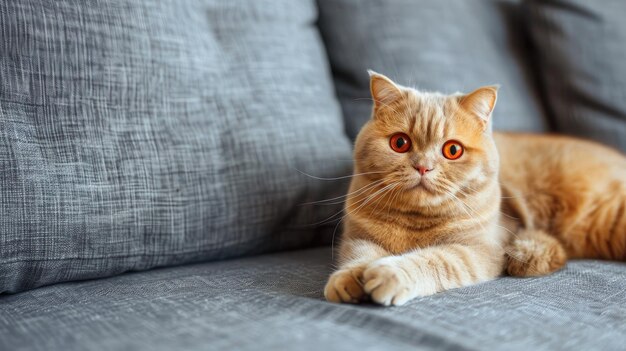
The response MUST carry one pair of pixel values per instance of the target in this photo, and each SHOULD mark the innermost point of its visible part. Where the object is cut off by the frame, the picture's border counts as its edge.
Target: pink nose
(423, 170)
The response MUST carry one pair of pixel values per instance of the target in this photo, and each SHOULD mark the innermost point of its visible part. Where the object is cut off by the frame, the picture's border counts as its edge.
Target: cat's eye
(452, 150)
(400, 142)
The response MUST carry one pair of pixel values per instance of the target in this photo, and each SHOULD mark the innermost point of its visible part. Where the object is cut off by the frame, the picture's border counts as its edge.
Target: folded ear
(481, 102)
(384, 90)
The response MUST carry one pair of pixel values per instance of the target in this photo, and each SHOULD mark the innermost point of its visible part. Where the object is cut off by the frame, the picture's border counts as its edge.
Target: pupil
(400, 142)
(453, 150)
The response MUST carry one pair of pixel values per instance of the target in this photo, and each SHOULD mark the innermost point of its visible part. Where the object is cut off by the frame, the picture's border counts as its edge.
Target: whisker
(475, 191)
(390, 190)
(371, 197)
(338, 213)
(465, 206)
(359, 190)
(393, 197)
(335, 178)
(378, 192)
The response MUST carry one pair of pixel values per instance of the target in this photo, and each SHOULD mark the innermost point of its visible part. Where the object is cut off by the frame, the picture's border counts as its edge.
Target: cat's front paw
(345, 285)
(387, 282)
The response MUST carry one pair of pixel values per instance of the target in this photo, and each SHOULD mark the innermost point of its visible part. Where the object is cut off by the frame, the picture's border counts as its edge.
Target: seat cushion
(136, 134)
(581, 49)
(444, 45)
(275, 302)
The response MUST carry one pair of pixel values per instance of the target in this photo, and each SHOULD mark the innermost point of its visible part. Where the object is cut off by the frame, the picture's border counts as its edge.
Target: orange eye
(452, 150)
(400, 142)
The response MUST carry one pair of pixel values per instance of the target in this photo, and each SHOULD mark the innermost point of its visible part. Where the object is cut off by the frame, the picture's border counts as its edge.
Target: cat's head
(432, 146)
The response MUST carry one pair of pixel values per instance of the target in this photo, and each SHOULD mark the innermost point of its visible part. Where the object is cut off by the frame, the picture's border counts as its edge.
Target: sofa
(173, 171)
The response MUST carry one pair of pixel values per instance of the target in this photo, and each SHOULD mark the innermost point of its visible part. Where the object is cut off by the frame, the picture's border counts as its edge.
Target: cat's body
(571, 189)
(437, 201)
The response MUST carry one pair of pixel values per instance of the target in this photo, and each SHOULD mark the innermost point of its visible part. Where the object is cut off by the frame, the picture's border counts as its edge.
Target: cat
(439, 201)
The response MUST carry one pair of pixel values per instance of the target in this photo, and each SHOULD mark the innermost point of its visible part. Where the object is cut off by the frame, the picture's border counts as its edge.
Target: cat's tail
(534, 253)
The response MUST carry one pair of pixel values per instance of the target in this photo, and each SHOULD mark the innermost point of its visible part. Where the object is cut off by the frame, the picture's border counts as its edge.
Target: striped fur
(569, 189)
(468, 220)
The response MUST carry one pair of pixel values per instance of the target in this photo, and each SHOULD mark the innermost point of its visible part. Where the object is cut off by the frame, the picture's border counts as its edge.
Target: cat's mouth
(424, 184)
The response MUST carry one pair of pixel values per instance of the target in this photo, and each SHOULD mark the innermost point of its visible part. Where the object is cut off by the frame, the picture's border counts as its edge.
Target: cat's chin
(419, 197)
(422, 185)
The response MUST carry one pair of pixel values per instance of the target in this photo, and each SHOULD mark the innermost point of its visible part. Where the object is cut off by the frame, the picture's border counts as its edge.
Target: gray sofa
(167, 168)
(275, 302)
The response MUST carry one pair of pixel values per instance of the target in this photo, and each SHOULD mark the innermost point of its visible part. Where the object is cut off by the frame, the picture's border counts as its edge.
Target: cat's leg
(394, 280)
(534, 253)
(346, 284)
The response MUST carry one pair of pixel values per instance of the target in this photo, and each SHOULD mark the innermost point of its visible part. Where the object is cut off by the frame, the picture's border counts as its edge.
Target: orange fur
(522, 207)
(572, 189)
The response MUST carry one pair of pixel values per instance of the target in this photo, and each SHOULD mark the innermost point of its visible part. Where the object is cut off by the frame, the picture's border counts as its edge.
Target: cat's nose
(422, 169)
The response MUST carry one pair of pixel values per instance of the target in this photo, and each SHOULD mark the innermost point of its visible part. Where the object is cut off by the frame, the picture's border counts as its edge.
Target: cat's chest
(407, 232)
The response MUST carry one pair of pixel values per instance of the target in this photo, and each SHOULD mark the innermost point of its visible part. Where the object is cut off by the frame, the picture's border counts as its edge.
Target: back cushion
(581, 47)
(444, 45)
(136, 134)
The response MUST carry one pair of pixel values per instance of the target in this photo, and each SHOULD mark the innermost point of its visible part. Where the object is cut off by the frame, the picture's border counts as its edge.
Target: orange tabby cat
(435, 205)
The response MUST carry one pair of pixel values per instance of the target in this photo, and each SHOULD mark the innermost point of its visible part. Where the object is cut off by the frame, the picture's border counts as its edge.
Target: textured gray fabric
(581, 47)
(445, 45)
(136, 134)
(275, 302)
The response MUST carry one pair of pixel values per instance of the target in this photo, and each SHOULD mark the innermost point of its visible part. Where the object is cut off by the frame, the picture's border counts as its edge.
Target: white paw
(345, 286)
(387, 283)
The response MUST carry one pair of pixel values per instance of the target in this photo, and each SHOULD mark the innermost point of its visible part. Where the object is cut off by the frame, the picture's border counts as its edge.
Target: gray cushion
(275, 302)
(581, 47)
(136, 134)
(445, 45)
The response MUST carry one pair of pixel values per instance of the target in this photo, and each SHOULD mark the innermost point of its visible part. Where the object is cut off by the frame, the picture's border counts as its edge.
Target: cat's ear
(384, 90)
(481, 102)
